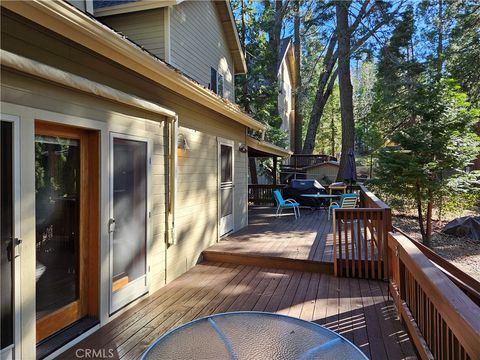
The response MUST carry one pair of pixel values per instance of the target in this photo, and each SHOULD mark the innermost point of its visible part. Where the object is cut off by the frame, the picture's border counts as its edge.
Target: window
(220, 85)
(216, 82)
(213, 80)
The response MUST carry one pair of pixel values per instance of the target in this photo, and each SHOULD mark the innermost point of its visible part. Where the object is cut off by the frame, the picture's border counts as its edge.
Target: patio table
(252, 335)
(322, 196)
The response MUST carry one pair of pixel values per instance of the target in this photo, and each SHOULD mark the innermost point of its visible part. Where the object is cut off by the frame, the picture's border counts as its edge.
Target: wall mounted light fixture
(182, 142)
(243, 148)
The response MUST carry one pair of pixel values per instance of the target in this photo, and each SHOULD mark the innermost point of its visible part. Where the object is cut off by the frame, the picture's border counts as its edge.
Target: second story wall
(146, 28)
(198, 43)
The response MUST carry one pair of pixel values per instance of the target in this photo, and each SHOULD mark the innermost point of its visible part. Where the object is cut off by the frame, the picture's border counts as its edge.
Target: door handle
(111, 225)
(12, 247)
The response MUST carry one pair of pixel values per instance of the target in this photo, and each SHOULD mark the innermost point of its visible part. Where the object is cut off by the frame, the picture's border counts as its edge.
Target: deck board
(358, 309)
(301, 241)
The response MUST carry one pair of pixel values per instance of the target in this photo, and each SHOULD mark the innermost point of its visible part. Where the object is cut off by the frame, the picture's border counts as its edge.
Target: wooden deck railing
(360, 237)
(262, 194)
(359, 242)
(469, 285)
(443, 322)
(437, 301)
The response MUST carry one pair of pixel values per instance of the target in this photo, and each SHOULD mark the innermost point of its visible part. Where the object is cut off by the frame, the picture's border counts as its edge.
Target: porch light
(243, 148)
(182, 142)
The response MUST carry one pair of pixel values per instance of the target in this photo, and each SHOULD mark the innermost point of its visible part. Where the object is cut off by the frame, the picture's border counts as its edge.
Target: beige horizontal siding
(197, 181)
(198, 43)
(146, 28)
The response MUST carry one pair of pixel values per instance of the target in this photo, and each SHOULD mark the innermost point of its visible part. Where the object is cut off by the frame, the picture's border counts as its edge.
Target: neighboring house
(117, 169)
(325, 173)
(286, 100)
(286, 83)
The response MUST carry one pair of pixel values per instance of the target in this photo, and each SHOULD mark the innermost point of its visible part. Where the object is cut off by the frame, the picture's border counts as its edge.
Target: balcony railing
(443, 322)
(437, 301)
(262, 194)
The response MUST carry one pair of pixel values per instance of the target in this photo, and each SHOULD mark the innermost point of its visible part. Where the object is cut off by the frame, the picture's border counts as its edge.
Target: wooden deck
(303, 244)
(360, 310)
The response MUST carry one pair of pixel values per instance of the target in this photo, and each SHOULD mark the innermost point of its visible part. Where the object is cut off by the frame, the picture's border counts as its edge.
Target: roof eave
(228, 23)
(266, 147)
(75, 25)
(133, 6)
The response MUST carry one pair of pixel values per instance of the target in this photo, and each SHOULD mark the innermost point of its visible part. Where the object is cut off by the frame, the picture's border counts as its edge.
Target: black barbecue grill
(296, 188)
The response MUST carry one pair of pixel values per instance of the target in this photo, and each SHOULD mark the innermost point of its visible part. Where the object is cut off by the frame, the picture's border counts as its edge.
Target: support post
(275, 170)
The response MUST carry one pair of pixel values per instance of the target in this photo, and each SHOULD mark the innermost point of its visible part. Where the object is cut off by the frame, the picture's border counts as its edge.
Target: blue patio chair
(347, 201)
(286, 204)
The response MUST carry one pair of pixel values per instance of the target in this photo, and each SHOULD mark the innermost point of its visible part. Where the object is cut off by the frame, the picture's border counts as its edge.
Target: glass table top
(252, 335)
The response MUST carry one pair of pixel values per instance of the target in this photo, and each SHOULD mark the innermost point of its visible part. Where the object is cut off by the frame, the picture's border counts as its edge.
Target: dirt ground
(460, 251)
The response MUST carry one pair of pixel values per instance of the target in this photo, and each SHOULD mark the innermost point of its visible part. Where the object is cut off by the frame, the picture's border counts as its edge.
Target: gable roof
(331, 163)
(224, 11)
(286, 53)
(263, 148)
(233, 40)
(81, 28)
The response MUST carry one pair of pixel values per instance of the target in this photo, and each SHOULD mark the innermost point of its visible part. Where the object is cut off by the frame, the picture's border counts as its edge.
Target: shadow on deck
(304, 244)
(360, 310)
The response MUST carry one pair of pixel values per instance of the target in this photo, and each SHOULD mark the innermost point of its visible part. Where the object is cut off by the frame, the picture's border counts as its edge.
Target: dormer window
(216, 82)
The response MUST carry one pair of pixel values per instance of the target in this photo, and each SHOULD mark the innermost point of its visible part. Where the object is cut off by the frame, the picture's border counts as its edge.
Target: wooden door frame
(88, 303)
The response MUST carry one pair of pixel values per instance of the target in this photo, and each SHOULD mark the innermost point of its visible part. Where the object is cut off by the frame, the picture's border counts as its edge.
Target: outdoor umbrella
(351, 170)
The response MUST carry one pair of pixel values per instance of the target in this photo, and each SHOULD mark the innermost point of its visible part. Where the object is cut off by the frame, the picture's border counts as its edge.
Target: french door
(226, 186)
(129, 219)
(66, 211)
(9, 239)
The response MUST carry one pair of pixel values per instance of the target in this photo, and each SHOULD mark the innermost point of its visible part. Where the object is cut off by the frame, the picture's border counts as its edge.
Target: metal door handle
(11, 248)
(111, 225)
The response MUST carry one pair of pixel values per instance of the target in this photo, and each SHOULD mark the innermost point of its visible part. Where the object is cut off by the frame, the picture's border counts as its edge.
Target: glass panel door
(57, 190)
(128, 223)
(61, 207)
(7, 238)
(226, 188)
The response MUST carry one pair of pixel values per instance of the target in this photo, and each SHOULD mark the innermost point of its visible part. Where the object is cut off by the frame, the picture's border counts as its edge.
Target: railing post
(387, 221)
(335, 265)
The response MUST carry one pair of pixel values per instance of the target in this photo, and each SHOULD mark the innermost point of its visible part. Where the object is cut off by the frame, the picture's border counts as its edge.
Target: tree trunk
(321, 96)
(345, 85)
(428, 232)
(298, 121)
(274, 35)
(319, 105)
(245, 54)
(440, 39)
(330, 59)
(332, 125)
(418, 196)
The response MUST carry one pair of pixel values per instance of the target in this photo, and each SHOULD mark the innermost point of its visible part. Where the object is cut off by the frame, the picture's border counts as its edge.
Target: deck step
(268, 261)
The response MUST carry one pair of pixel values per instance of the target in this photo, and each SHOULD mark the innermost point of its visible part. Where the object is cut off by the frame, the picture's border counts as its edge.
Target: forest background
(396, 81)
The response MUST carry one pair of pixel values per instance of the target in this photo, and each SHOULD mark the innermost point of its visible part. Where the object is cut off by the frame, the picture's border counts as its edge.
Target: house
(325, 173)
(118, 168)
(286, 107)
(287, 85)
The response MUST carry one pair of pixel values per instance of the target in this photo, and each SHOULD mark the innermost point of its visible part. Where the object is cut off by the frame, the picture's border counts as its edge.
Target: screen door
(226, 189)
(128, 225)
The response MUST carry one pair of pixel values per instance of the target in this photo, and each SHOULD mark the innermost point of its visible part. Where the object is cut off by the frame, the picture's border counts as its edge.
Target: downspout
(171, 236)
